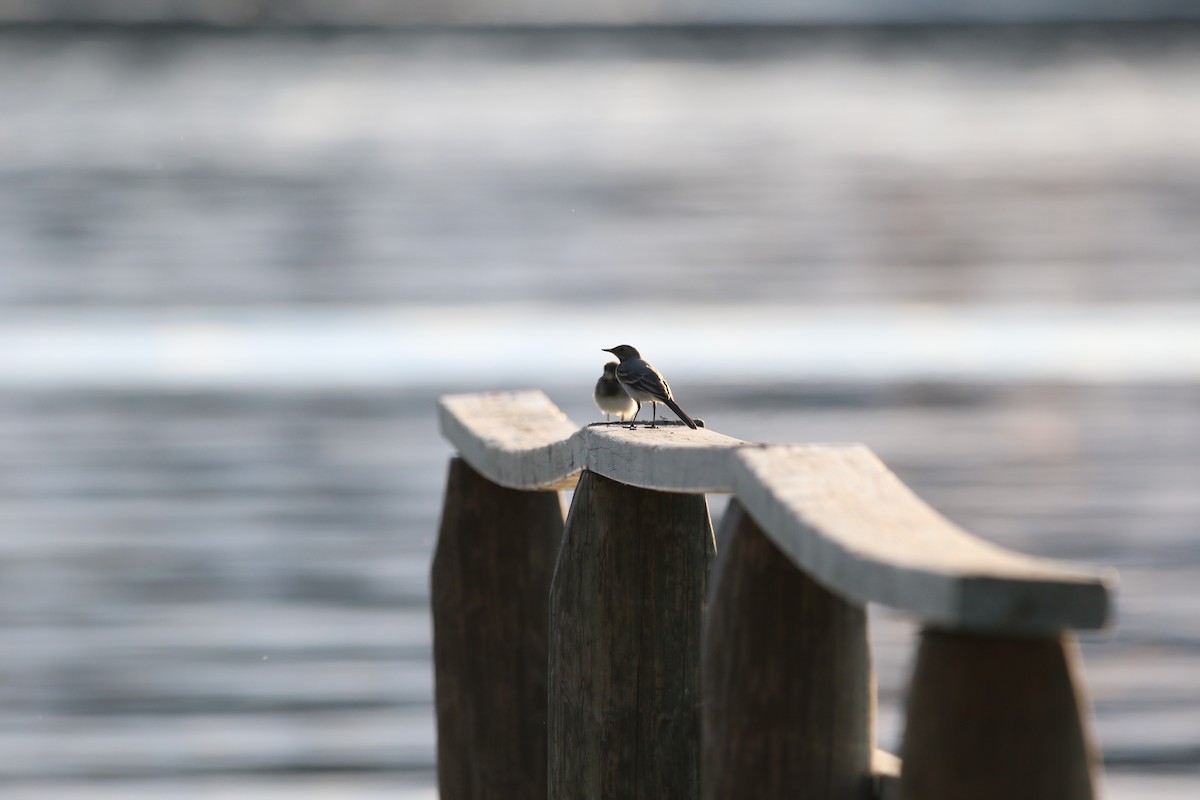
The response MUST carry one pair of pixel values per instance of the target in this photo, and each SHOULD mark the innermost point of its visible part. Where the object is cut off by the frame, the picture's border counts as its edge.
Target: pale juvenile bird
(644, 384)
(610, 397)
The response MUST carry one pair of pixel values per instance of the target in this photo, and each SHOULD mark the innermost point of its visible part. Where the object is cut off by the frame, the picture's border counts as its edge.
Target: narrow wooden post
(489, 590)
(788, 689)
(626, 607)
(994, 718)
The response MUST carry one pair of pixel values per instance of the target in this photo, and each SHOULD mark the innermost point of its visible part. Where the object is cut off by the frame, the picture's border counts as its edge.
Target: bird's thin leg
(633, 420)
(653, 413)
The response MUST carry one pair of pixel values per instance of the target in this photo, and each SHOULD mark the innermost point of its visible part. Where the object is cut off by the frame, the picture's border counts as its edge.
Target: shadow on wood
(489, 589)
(788, 689)
(993, 719)
(626, 610)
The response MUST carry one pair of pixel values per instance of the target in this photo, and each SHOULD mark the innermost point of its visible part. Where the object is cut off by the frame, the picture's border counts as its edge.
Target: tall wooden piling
(626, 608)
(788, 694)
(489, 589)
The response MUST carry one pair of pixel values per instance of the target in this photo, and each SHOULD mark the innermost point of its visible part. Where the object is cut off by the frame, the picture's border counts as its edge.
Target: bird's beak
(605, 349)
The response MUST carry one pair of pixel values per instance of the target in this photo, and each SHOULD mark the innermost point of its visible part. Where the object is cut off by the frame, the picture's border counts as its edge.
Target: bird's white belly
(618, 404)
(641, 396)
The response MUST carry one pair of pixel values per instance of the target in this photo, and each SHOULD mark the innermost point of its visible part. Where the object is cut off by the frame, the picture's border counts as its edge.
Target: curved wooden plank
(847, 520)
(523, 441)
(671, 458)
(835, 510)
(516, 439)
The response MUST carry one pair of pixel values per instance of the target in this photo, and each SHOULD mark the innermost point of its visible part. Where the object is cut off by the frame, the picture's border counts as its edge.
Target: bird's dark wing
(644, 378)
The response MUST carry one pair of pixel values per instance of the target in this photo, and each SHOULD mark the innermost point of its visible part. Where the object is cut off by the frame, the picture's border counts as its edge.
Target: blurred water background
(237, 266)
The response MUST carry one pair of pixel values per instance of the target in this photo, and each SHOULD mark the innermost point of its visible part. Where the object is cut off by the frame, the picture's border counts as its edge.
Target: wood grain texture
(489, 590)
(835, 510)
(626, 610)
(993, 719)
(788, 691)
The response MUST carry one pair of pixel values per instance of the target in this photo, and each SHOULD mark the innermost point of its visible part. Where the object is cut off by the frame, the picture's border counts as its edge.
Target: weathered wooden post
(788, 690)
(625, 623)
(489, 589)
(993, 717)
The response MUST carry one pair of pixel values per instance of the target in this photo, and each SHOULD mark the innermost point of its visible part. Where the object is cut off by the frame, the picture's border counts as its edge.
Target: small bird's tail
(679, 412)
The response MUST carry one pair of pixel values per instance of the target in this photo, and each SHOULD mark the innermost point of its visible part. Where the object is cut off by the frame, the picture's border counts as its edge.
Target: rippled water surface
(215, 586)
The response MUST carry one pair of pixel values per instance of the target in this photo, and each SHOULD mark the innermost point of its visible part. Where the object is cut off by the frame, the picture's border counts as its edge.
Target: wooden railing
(612, 657)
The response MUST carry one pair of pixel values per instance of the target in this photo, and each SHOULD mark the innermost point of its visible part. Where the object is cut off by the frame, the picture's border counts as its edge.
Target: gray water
(213, 583)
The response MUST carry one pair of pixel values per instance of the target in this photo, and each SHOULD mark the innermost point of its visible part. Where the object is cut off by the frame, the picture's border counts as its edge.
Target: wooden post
(626, 608)
(994, 718)
(788, 689)
(489, 590)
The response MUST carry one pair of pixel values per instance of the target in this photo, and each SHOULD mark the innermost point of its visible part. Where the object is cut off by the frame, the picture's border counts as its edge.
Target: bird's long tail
(679, 412)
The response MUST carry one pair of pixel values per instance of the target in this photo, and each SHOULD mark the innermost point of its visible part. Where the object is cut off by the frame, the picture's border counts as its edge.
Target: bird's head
(610, 369)
(623, 351)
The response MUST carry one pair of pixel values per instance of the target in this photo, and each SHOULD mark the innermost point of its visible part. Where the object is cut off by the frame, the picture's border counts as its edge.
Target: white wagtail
(644, 384)
(610, 397)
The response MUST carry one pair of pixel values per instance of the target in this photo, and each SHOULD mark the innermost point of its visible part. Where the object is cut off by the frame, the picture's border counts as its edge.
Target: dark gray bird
(644, 384)
(610, 397)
